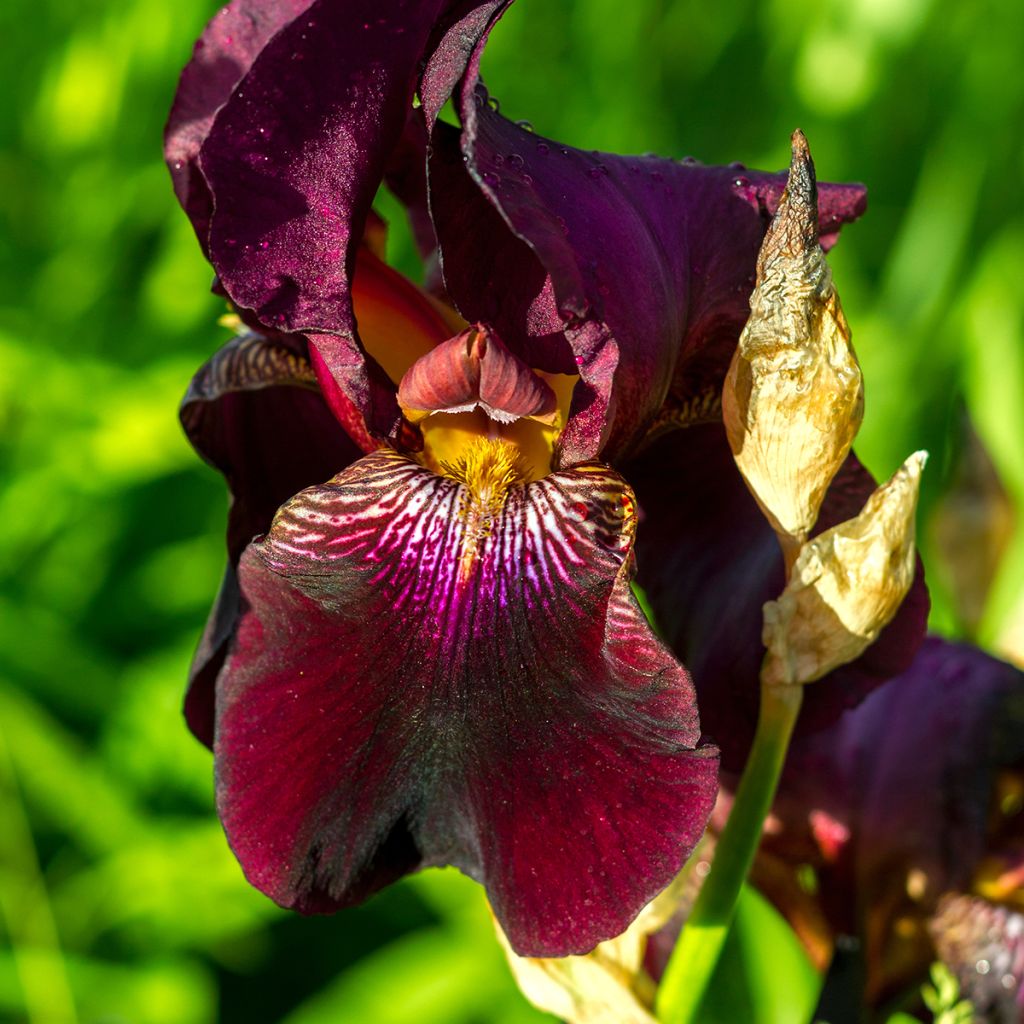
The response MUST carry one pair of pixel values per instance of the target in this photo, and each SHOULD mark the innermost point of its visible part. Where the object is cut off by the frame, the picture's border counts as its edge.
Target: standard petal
(296, 153)
(641, 266)
(708, 562)
(254, 412)
(222, 56)
(405, 692)
(293, 160)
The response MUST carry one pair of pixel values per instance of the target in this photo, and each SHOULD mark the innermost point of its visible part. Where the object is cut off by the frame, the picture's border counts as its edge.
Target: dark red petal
(644, 265)
(394, 702)
(222, 56)
(254, 412)
(708, 562)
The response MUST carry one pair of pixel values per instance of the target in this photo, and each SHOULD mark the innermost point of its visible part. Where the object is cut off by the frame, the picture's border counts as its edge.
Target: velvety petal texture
(412, 685)
(255, 413)
(222, 56)
(708, 562)
(633, 271)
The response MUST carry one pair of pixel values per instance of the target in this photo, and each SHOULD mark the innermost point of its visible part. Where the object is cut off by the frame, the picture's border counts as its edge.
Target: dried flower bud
(793, 398)
(606, 986)
(846, 585)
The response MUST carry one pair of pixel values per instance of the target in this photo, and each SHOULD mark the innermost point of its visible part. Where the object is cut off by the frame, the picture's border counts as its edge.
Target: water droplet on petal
(264, 244)
(516, 160)
(525, 125)
(543, 147)
(579, 360)
(740, 182)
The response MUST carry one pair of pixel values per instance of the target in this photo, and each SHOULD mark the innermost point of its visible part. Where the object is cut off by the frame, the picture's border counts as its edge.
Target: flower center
(487, 468)
(484, 414)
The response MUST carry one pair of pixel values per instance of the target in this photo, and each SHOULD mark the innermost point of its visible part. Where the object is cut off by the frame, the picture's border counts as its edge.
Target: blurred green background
(119, 899)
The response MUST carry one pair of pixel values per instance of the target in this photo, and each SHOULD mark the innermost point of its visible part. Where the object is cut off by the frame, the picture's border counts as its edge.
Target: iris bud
(793, 398)
(845, 586)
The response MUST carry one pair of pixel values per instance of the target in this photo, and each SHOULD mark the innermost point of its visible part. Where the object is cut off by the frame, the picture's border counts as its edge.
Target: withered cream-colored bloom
(607, 985)
(793, 399)
(846, 585)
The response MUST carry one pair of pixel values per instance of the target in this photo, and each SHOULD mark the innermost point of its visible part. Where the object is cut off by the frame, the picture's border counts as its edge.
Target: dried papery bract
(846, 585)
(606, 986)
(793, 398)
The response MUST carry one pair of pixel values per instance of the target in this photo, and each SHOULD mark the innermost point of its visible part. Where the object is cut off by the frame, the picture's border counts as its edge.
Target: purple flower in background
(910, 811)
(430, 653)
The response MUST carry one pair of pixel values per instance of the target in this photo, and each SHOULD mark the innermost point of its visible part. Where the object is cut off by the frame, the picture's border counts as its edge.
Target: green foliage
(942, 997)
(763, 976)
(118, 897)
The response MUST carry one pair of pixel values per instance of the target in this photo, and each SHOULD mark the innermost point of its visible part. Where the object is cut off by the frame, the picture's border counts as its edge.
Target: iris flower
(426, 650)
(909, 810)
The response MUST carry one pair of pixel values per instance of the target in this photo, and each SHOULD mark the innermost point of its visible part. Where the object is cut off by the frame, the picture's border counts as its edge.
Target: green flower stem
(696, 953)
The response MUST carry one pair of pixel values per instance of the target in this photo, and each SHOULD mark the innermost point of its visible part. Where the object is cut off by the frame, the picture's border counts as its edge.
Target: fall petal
(709, 561)
(490, 699)
(254, 413)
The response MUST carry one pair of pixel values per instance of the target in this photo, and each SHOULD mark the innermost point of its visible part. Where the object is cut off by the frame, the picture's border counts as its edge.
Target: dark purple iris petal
(293, 161)
(222, 55)
(504, 708)
(910, 772)
(457, 44)
(646, 265)
(254, 412)
(709, 561)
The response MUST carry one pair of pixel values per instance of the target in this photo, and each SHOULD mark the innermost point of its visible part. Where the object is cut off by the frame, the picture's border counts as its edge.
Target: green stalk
(696, 953)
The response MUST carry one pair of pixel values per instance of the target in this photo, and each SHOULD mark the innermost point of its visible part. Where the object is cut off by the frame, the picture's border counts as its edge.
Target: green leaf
(764, 976)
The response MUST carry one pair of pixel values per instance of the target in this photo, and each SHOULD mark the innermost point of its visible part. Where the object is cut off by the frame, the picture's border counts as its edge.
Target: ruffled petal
(254, 412)
(708, 561)
(297, 152)
(408, 689)
(293, 161)
(222, 56)
(641, 266)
